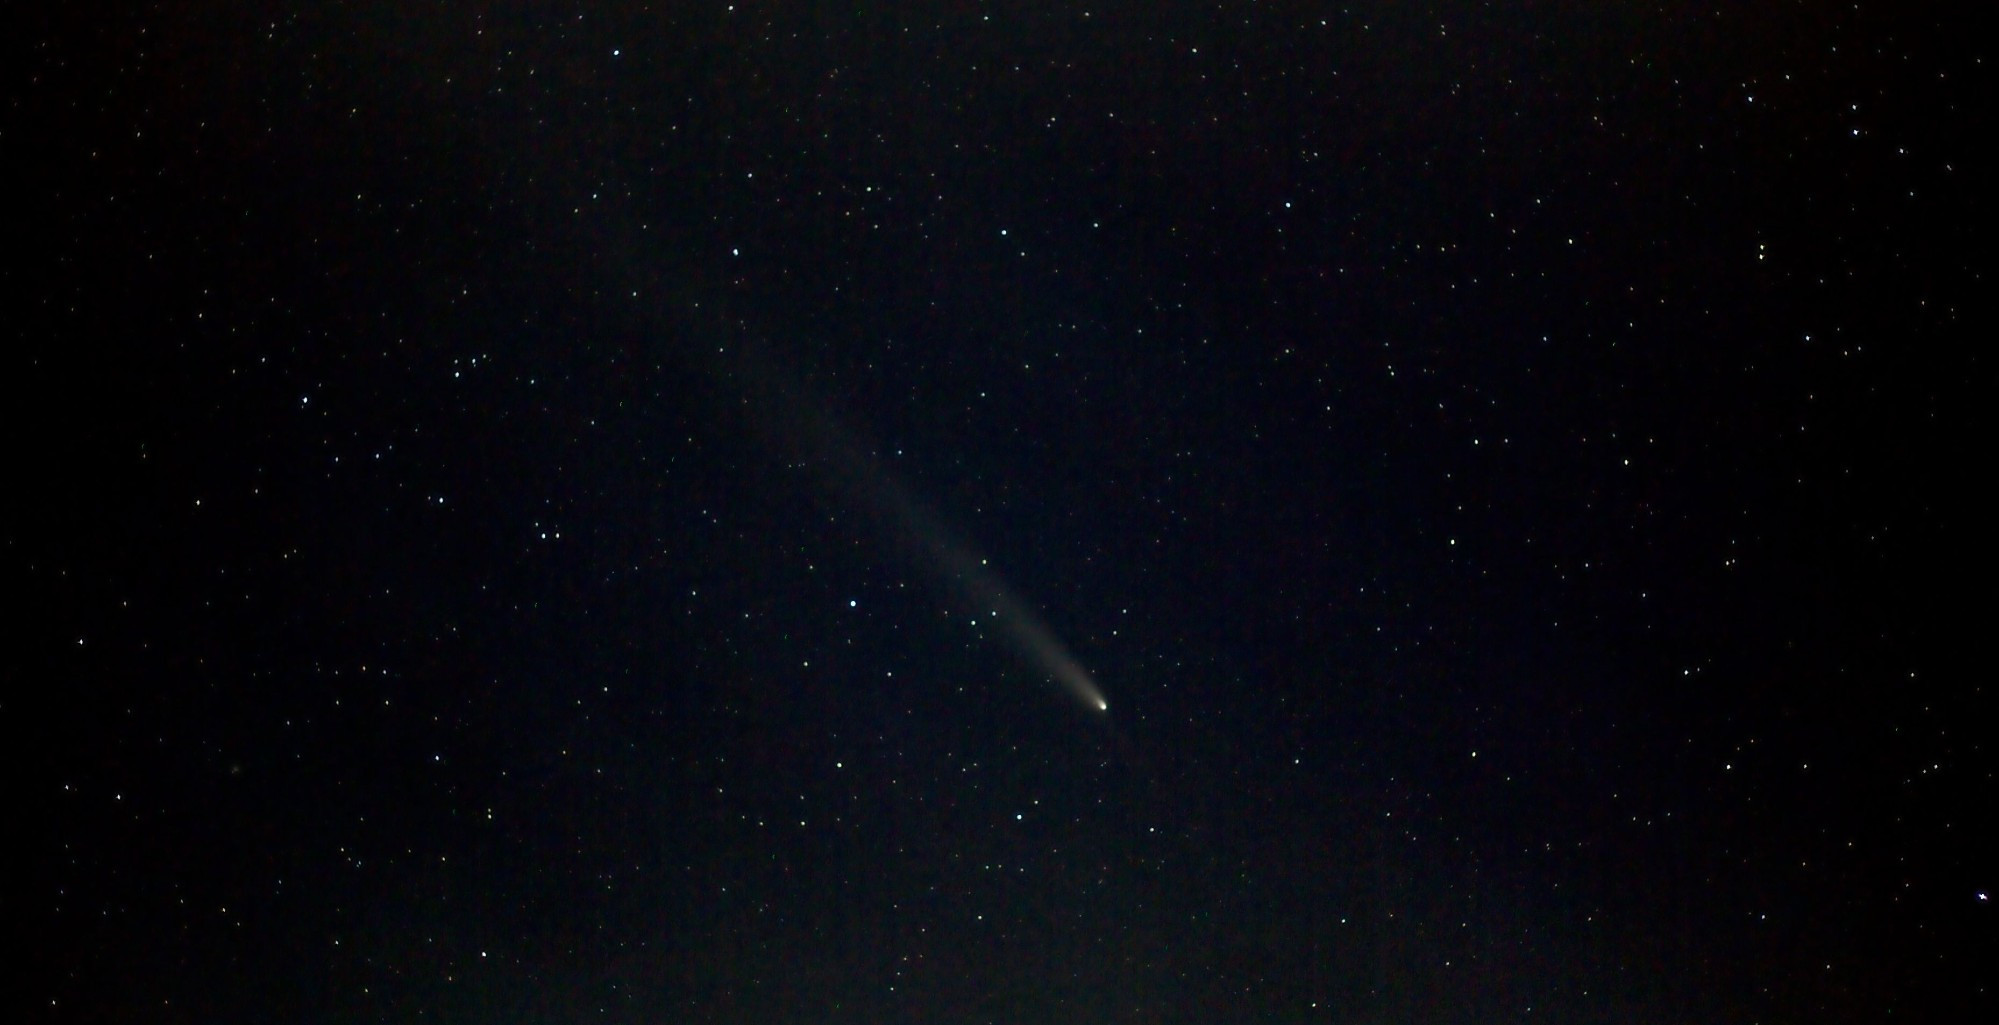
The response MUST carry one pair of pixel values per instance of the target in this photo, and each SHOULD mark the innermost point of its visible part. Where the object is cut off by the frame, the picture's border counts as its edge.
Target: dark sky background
(1511, 467)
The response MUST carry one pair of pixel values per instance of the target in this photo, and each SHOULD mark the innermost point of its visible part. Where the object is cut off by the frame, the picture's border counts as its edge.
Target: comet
(803, 425)
(1032, 638)
(959, 568)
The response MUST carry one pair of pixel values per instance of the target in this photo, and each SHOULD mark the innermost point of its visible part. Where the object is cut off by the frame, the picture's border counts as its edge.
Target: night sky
(547, 513)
